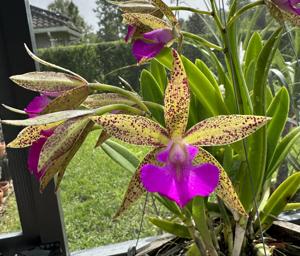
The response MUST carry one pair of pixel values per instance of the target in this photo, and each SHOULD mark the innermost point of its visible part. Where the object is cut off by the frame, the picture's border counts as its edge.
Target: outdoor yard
(91, 192)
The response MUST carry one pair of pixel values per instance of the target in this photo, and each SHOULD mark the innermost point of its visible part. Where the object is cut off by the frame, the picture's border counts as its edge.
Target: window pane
(9, 216)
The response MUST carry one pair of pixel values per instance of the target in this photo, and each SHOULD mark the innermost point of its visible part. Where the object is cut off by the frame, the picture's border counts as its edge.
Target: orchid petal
(130, 32)
(37, 105)
(225, 189)
(67, 100)
(138, 19)
(159, 36)
(197, 181)
(29, 135)
(223, 130)
(144, 51)
(61, 141)
(177, 99)
(133, 129)
(47, 82)
(165, 9)
(135, 188)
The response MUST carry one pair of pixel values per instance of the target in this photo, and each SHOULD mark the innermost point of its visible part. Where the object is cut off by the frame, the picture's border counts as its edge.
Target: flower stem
(113, 107)
(189, 9)
(201, 40)
(243, 10)
(129, 95)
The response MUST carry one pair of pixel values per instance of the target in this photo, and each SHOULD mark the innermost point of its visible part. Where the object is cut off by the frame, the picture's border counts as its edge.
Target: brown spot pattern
(223, 130)
(165, 10)
(67, 100)
(177, 99)
(102, 138)
(148, 20)
(225, 189)
(135, 188)
(281, 15)
(136, 130)
(61, 140)
(47, 82)
(103, 99)
(28, 135)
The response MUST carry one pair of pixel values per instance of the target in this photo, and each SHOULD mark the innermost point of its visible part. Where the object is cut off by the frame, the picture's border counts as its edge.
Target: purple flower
(291, 6)
(178, 168)
(34, 154)
(180, 180)
(150, 44)
(37, 105)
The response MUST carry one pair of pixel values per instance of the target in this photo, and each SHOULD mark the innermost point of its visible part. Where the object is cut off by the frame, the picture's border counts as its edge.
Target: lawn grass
(91, 192)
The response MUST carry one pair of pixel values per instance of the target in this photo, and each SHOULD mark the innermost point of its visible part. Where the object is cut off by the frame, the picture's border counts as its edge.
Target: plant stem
(124, 107)
(129, 95)
(189, 9)
(243, 10)
(201, 40)
(194, 233)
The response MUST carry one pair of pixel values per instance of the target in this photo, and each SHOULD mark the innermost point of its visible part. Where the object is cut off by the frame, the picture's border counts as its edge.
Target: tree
(69, 9)
(110, 21)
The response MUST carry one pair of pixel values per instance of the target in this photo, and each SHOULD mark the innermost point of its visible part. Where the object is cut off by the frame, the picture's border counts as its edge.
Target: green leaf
(171, 227)
(121, 155)
(279, 199)
(278, 110)
(209, 75)
(253, 49)
(292, 207)
(281, 151)
(159, 73)
(152, 92)
(48, 118)
(170, 205)
(257, 153)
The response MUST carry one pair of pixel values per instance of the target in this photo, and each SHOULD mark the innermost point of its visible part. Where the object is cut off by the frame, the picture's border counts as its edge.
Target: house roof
(43, 20)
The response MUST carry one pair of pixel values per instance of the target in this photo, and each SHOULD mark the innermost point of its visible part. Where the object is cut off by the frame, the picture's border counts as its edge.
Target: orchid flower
(177, 167)
(149, 34)
(285, 10)
(37, 105)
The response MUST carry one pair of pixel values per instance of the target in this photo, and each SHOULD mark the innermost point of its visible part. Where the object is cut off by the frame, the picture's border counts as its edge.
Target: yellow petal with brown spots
(224, 129)
(29, 135)
(225, 189)
(166, 11)
(138, 19)
(136, 130)
(135, 188)
(177, 99)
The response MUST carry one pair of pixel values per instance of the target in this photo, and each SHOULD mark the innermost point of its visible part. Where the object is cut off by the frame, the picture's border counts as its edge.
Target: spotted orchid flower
(150, 43)
(149, 35)
(37, 105)
(178, 168)
(285, 10)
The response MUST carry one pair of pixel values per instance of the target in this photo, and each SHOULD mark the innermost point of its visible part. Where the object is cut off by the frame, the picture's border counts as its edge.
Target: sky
(86, 8)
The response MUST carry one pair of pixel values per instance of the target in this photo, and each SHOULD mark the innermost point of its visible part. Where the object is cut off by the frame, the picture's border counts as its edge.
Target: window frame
(40, 215)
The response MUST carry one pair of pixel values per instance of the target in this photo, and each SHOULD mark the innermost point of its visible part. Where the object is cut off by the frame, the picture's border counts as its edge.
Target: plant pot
(1, 196)
(4, 186)
(2, 150)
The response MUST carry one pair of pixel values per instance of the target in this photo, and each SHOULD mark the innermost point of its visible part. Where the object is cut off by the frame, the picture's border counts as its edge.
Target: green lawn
(91, 192)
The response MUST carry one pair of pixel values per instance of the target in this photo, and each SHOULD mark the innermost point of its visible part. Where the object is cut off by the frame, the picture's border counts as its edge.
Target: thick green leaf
(152, 92)
(278, 110)
(257, 153)
(209, 75)
(159, 73)
(279, 199)
(120, 155)
(171, 227)
(281, 151)
(48, 118)
(292, 207)
(253, 49)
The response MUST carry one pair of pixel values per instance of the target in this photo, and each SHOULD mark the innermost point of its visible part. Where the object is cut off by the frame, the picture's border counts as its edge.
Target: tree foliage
(109, 21)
